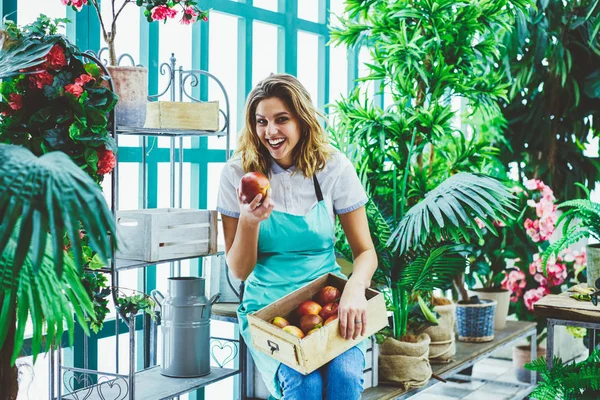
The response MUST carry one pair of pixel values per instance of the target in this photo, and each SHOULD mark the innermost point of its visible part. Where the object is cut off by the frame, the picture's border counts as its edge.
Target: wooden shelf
(151, 385)
(466, 355)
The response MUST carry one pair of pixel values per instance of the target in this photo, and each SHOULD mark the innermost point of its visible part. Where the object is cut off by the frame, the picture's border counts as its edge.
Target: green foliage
(40, 200)
(580, 220)
(424, 54)
(552, 61)
(567, 381)
(129, 306)
(23, 50)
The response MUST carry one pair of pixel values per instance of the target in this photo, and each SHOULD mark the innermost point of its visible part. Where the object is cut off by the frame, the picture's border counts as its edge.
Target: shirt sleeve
(348, 192)
(227, 203)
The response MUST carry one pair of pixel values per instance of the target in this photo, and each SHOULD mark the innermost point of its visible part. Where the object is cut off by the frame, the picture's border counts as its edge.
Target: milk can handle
(214, 299)
(155, 294)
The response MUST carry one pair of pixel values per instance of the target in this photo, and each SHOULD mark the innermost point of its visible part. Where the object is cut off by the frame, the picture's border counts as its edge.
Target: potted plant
(131, 82)
(40, 200)
(581, 220)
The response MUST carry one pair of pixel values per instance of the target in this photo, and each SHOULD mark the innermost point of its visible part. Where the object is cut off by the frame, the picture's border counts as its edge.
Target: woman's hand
(352, 311)
(254, 212)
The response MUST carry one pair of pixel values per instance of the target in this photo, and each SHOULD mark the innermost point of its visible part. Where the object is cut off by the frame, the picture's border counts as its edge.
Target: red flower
(76, 90)
(83, 79)
(15, 101)
(56, 59)
(106, 161)
(163, 12)
(40, 79)
(205, 18)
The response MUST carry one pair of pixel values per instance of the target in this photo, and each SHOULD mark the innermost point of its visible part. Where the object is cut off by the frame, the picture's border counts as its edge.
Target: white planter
(502, 296)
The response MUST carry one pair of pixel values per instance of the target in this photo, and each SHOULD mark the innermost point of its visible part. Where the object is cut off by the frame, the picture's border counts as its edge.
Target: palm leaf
(50, 194)
(452, 207)
(434, 269)
(42, 296)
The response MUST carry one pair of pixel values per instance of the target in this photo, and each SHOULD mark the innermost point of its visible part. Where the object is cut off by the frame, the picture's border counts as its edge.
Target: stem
(406, 169)
(400, 299)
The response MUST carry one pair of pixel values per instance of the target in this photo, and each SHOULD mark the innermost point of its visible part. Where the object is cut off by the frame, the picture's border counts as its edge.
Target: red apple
(328, 310)
(309, 322)
(280, 322)
(252, 184)
(308, 307)
(330, 319)
(294, 330)
(327, 294)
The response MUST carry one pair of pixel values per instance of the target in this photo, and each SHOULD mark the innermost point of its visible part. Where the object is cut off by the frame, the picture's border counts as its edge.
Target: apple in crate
(308, 307)
(327, 294)
(330, 319)
(294, 330)
(253, 184)
(328, 310)
(280, 322)
(310, 322)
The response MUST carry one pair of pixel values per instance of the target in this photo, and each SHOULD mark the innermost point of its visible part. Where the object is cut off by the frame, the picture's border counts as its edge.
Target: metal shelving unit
(148, 383)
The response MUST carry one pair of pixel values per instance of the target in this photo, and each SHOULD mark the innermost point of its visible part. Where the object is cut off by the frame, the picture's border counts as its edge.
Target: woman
(284, 241)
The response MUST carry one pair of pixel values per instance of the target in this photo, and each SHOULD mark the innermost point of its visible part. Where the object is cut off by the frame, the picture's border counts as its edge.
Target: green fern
(567, 381)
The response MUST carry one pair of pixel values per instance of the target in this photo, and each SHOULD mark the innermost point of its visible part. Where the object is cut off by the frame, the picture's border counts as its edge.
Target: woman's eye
(261, 121)
(281, 120)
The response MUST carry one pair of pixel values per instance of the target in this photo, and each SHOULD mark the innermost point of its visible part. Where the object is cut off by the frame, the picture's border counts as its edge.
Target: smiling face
(278, 130)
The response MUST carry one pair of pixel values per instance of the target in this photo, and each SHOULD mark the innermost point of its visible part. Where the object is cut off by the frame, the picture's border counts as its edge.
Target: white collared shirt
(294, 193)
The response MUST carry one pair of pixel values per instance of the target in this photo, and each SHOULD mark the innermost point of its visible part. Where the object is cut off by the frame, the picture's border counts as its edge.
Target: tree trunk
(8, 374)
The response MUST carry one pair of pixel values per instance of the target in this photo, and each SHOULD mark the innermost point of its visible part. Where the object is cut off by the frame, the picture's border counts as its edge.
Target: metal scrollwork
(223, 351)
(83, 384)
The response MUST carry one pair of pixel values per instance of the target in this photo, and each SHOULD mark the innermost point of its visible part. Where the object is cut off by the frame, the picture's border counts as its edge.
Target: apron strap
(317, 188)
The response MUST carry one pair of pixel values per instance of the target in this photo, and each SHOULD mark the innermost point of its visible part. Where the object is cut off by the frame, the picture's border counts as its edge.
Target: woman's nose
(271, 129)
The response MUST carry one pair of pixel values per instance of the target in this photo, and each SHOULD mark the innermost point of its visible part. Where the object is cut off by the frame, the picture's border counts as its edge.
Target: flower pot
(442, 346)
(521, 356)
(502, 296)
(131, 85)
(475, 322)
(593, 263)
(405, 364)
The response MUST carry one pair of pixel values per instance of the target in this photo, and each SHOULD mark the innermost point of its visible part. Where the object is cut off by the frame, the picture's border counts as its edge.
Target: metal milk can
(185, 321)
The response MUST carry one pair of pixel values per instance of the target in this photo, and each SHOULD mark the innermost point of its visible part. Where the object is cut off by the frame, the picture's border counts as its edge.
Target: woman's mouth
(276, 143)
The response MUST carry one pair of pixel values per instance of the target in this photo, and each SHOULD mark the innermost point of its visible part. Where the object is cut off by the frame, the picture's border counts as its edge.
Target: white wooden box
(307, 354)
(166, 233)
(183, 115)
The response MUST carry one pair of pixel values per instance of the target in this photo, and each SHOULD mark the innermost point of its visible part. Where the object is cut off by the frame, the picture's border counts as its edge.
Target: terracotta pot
(593, 263)
(521, 356)
(131, 85)
(502, 296)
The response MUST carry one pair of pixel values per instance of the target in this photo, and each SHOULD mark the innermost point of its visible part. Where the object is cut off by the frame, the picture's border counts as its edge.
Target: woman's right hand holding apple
(257, 210)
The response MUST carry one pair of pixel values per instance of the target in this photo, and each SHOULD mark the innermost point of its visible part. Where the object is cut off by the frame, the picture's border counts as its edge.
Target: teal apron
(293, 250)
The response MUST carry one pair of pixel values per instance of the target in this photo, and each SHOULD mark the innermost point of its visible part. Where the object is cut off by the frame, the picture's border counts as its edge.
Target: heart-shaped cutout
(114, 389)
(74, 386)
(224, 350)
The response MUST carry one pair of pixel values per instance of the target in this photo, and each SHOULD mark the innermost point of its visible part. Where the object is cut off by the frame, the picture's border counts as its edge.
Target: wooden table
(561, 309)
(467, 354)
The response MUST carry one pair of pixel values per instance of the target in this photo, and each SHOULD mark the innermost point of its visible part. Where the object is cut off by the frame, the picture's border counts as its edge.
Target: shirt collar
(277, 169)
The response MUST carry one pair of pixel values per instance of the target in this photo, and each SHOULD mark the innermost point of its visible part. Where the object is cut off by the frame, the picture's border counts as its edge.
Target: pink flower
(40, 79)
(75, 90)
(55, 59)
(532, 184)
(83, 79)
(163, 12)
(532, 296)
(557, 273)
(480, 223)
(190, 16)
(78, 4)
(515, 282)
(15, 101)
(532, 229)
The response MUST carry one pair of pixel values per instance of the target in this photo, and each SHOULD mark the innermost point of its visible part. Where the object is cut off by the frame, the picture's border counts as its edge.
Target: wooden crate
(166, 233)
(183, 115)
(307, 354)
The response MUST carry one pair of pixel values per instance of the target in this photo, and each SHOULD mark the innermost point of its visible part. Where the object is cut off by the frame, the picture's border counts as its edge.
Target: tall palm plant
(41, 199)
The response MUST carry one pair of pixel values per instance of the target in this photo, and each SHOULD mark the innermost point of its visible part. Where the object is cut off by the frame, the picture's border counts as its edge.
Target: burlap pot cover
(442, 346)
(405, 364)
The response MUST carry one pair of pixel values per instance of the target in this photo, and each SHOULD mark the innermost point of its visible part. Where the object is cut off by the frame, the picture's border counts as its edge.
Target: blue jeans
(339, 379)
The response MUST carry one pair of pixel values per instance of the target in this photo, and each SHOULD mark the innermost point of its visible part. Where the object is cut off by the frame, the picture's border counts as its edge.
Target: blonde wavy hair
(312, 151)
